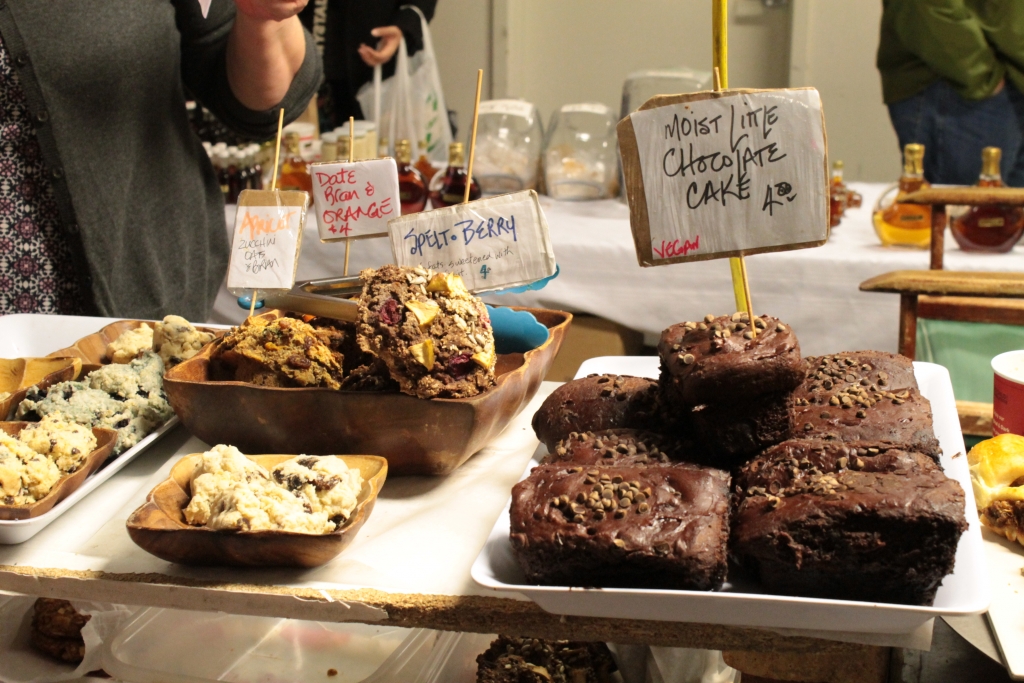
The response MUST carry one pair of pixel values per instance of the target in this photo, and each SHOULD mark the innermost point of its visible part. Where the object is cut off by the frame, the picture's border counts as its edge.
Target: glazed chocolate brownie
(642, 527)
(531, 660)
(615, 447)
(733, 431)
(720, 359)
(595, 403)
(877, 527)
(57, 630)
(433, 335)
(872, 370)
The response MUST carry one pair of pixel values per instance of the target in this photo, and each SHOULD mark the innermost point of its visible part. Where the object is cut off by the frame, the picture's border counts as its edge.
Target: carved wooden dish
(417, 436)
(18, 375)
(159, 527)
(92, 349)
(66, 485)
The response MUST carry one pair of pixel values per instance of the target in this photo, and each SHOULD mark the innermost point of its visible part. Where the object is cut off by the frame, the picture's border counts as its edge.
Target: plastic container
(178, 646)
(509, 141)
(365, 136)
(580, 159)
(641, 86)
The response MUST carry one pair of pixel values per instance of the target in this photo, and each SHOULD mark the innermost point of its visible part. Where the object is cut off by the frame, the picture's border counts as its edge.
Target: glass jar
(579, 154)
(509, 140)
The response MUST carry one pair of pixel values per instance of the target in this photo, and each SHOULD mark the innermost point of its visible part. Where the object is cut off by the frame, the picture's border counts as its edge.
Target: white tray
(38, 335)
(1006, 614)
(963, 592)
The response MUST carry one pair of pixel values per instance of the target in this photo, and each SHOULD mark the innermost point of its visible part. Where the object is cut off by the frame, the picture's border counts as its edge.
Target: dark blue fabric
(954, 130)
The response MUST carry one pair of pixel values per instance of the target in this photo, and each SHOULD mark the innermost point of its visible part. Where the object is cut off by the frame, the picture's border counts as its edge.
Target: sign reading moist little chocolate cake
(732, 173)
(492, 243)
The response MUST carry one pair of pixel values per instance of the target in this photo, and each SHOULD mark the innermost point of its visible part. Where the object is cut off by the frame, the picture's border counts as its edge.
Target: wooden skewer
(351, 158)
(273, 188)
(720, 47)
(472, 139)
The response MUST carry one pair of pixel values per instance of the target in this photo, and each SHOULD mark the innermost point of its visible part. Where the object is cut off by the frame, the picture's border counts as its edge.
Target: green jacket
(973, 44)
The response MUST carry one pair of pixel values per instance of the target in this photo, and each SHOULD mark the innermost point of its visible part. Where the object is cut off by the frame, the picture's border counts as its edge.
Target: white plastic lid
(1009, 365)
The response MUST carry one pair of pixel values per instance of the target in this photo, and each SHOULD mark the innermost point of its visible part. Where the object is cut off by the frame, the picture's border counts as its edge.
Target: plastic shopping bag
(412, 105)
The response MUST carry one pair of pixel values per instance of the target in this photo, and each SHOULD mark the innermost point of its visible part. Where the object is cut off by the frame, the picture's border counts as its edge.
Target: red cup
(1008, 393)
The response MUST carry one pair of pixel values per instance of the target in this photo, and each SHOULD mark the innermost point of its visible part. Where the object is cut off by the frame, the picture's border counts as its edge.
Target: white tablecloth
(814, 290)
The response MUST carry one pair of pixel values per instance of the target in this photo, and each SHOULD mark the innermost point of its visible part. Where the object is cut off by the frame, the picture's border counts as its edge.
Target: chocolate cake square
(815, 520)
(615, 447)
(640, 527)
(721, 359)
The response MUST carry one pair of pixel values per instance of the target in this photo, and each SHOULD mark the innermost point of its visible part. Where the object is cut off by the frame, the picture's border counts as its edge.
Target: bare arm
(265, 50)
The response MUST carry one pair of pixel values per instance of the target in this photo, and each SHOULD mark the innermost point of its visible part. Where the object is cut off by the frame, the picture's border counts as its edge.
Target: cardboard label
(355, 200)
(716, 174)
(492, 243)
(266, 240)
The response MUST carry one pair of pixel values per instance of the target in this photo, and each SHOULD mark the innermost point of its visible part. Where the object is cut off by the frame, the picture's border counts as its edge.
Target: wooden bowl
(417, 436)
(159, 527)
(92, 349)
(66, 485)
(18, 375)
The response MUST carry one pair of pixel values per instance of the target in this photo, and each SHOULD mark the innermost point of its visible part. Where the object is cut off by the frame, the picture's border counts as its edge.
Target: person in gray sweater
(108, 203)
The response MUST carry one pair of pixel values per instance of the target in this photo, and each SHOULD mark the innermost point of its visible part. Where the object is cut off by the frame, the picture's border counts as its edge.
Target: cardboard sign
(492, 243)
(732, 173)
(266, 241)
(355, 200)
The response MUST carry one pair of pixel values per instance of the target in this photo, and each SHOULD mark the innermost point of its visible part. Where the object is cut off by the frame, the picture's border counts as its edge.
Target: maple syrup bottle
(423, 164)
(294, 169)
(994, 227)
(901, 224)
(412, 191)
(837, 195)
(449, 189)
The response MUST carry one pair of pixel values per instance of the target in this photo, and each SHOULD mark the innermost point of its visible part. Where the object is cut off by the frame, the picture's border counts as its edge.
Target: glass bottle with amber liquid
(449, 189)
(294, 169)
(412, 191)
(837, 195)
(901, 224)
(992, 227)
(423, 164)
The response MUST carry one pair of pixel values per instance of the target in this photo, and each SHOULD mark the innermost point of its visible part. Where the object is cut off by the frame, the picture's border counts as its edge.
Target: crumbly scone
(287, 347)
(65, 442)
(433, 335)
(363, 371)
(130, 344)
(177, 340)
(532, 660)
(25, 476)
(127, 398)
(57, 630)
(997, 476)
(231, 492)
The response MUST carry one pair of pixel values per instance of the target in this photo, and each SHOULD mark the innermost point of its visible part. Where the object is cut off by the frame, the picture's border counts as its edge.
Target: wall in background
(554, 53)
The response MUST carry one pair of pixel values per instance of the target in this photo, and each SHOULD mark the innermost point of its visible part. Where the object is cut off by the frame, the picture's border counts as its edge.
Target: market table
(409, 565)
(815, 290)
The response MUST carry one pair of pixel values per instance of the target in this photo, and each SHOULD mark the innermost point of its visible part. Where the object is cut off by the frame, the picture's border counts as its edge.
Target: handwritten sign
(716, 174)
(355, 200)
(492, 243)
(266, 240)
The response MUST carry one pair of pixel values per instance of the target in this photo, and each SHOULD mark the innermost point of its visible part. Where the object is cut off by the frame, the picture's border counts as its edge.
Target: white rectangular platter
(965, 591)
(1006, 614)
(38, 335)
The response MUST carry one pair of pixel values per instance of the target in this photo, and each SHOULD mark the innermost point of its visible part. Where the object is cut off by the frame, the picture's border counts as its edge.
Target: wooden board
(966, 195)
(947, 283)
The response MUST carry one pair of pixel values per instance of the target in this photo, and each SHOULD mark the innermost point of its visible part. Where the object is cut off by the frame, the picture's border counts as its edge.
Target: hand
(270, 10)
(390, 37)
(1000, 86)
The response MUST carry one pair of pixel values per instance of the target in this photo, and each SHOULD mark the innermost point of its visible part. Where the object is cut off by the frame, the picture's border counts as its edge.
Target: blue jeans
(954, 130)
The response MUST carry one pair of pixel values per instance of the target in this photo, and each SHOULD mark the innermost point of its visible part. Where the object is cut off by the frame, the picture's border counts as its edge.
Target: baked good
(649, 527)
(615, 447)
(362, 371)
(307, 494)
(873, 370)
(25, 476)
(532, 660)
(67, 443)
(177, 340)
(997, 476)
(127, 398)
(735, 430)
(433, 335)
(595, 403)
(886, 531)
(57, 630)
(282, 352)
(130, 343)
(720, 359)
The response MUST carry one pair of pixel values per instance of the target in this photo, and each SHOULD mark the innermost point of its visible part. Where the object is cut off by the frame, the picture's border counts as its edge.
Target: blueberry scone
(177, 340)
(130, 344)
(65, 442)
